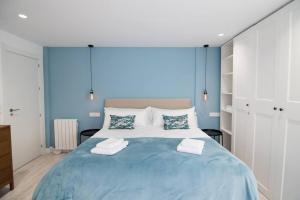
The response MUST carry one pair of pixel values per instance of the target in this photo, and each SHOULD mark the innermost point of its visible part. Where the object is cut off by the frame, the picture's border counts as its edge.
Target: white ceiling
(167, 23)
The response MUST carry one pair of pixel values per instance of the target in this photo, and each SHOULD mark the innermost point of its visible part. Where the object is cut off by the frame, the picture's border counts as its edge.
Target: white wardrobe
(266, 102)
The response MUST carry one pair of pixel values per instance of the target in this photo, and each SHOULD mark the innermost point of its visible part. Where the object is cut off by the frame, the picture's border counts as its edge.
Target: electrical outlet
(214, 114)
(94, 114)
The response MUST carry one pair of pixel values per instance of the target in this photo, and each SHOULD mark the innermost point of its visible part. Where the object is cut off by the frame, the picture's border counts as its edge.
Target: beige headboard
(143, 103)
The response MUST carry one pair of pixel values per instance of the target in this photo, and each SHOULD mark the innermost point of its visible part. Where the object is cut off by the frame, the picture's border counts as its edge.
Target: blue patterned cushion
(122, 122)
(176, 122)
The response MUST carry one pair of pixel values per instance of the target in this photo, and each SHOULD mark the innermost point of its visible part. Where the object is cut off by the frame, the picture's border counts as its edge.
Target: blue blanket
(148, 169)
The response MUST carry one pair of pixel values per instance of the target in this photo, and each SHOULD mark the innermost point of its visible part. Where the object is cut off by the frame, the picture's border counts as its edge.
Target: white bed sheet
(150, 131)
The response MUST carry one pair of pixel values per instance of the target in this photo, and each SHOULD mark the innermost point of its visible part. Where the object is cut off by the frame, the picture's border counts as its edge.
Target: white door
(290, 115)
(268, 143)
(244, 63)
(21, 106)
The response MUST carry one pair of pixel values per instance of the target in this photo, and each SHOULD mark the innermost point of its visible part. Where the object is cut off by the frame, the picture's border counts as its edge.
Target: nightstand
(214, 134)
(87, 133)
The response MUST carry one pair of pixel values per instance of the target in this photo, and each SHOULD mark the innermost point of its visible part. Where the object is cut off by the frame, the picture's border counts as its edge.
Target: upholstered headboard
(143, 103)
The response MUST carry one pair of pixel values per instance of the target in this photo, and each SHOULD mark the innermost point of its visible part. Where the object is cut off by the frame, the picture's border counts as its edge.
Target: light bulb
(205, 95)
(92, 95)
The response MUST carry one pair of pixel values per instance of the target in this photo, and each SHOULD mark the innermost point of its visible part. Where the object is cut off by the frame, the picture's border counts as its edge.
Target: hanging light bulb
(205, 94)
(91, 94)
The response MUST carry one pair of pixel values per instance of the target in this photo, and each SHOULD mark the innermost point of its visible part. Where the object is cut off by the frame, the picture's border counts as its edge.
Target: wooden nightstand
(6, 167)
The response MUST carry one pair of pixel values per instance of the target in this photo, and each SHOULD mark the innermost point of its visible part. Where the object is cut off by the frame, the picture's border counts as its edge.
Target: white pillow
(142, 116)
(158, 113)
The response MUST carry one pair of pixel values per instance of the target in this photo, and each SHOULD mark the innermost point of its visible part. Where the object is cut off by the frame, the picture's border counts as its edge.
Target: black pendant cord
(91, 68)
(205, 46)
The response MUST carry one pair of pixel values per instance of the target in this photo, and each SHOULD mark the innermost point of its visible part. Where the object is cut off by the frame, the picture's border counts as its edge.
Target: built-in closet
(266, 102)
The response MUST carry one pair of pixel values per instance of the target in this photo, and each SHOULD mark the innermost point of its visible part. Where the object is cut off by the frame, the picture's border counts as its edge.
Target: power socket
(94, 114)
(214, 114)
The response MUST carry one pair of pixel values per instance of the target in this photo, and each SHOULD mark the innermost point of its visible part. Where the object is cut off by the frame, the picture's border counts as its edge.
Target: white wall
(16, 44)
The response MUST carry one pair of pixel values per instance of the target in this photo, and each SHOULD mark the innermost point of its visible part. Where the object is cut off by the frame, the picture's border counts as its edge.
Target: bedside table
(214, 133)
(87, 133)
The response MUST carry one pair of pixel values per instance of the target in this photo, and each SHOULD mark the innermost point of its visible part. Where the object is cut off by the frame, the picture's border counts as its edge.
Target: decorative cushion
(176, 122)
(122, 122)
(158, 113)
(143, 117)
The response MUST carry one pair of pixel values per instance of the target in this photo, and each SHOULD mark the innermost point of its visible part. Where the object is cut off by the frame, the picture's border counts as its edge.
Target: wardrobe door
(244, 62)
(290, 115)
(265, 110)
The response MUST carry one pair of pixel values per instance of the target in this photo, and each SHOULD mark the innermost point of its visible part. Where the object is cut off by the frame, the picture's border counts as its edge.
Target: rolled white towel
(110, 143)
(191, 146)
(109, 151)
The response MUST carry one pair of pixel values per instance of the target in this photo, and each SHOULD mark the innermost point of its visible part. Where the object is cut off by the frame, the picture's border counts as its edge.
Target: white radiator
(65, 133)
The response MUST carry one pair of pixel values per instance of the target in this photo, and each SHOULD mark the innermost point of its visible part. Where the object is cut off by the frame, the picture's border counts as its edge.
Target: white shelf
(228, 74)
(228, 111)
(227, 131)
(227, 93)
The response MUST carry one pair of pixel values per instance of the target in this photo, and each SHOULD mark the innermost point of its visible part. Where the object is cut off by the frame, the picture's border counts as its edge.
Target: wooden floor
(27, 177)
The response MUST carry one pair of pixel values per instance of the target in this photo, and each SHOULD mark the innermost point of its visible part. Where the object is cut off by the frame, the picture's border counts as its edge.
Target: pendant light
(92, 94)
(205, 94)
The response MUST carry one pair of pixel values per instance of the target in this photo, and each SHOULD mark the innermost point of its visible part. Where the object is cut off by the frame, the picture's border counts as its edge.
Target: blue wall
(127, 73)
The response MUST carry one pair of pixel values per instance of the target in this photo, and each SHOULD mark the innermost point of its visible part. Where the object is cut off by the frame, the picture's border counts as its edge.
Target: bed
(150, 167)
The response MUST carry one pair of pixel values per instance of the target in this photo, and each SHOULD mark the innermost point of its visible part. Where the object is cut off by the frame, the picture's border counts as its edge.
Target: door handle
(247, 104)
(13, 110)
(280, 109)
(275, 108)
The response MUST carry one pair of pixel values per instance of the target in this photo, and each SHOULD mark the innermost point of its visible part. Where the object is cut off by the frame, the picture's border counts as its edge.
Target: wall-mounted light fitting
(23, 16)
(205, 93)
(92, 94)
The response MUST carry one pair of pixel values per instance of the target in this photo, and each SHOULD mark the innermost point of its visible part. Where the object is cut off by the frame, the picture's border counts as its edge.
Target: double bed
(149, 167)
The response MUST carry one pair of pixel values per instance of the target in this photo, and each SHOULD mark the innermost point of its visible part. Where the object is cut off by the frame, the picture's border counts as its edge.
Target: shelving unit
(226, 93)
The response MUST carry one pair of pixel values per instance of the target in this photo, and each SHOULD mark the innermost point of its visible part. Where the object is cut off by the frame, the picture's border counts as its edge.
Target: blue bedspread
(148, 169)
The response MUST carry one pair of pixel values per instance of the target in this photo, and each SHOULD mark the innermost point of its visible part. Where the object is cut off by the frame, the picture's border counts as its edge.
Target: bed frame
(143, 103)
